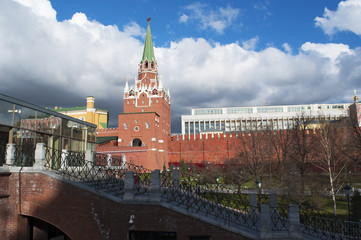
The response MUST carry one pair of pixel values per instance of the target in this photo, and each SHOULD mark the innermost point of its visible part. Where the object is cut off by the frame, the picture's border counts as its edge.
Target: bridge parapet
(252, 215)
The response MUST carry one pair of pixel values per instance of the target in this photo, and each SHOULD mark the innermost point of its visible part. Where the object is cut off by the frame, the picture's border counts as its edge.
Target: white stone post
(273, 200)
(39, 156)
(295, 231)
(89, 156)
(154, 189)
(253, 200)
(265, 223)
(129, 186)
(176, 178)
(10, 153)
(109, 160)
(64, 159)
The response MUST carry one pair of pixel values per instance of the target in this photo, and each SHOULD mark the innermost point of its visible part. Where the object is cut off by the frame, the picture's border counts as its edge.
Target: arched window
(146, 64)
(152, 65)
(136, 142)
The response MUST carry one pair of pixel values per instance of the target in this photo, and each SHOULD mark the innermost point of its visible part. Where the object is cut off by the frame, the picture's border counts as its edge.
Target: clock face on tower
(136, 129)
(154, 92)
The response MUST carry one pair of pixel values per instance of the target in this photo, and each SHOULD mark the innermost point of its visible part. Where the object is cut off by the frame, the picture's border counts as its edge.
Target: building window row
(195, 127)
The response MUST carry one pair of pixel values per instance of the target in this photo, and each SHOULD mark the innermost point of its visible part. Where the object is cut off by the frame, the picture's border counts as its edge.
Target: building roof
(75, 109)
(148, 52)
(100, 140)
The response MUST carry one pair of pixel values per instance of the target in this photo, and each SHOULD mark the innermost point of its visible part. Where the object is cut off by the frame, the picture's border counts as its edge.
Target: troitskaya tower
(146, 120)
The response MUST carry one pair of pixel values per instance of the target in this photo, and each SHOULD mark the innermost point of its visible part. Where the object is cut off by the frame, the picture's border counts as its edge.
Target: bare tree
(331, 160)
(281, 142)
(254, 148)
(303, 148)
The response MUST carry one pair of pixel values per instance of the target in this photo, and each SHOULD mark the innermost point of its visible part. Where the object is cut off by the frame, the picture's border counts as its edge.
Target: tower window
(147, 125)
(152, 64)
(125, 126)
(142, 101)
(146, 64)
(142, 109)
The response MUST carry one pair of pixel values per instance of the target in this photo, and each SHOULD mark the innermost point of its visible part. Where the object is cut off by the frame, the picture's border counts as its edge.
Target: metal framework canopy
(24, 123)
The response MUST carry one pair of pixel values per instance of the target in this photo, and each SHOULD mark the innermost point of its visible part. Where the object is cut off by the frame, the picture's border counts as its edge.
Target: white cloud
(287, 48)
(347, 17)
(133, 29)
(251, 43)
(184, 18)
(39, 8)
(60, 63)
(206, 17)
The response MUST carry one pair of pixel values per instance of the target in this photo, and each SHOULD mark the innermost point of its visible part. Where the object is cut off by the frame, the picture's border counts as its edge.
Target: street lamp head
(347, 190)
(258, 183)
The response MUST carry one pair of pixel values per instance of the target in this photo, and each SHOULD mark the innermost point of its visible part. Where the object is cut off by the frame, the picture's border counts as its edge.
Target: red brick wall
(211, 149)
(84, 215)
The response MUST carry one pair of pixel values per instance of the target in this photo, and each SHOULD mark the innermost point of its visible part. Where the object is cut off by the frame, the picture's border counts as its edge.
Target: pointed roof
(148, 52)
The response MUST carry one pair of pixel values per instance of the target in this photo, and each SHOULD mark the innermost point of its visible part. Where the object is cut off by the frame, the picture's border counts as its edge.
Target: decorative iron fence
(104, 173)
(320, 224)
(224, 204)
(117, 166)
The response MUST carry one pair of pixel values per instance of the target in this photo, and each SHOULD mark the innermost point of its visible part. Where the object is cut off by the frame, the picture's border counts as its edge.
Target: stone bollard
(89, 159)
(64, 159)
(295, 231)
(109, 160)
(265, 223)
(10, 154)
(89, 156)
(154, 189)
(129, 186)
(176, 179)
(253, 201)
(273, 201)
(39, 157)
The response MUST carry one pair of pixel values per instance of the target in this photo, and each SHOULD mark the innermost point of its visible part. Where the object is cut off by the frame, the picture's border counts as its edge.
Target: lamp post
(347, 190)
(259, 184)
(217, 180)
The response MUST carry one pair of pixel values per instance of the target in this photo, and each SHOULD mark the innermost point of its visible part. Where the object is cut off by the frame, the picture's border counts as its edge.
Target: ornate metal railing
(320, 224)
(224, 204)
(115, 165)
(104, 173)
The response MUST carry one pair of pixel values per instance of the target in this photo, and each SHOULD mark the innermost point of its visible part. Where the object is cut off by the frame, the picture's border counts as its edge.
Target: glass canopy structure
(26, 124)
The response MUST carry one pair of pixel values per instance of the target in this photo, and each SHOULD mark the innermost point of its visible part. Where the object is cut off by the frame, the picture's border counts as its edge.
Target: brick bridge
(68, 195)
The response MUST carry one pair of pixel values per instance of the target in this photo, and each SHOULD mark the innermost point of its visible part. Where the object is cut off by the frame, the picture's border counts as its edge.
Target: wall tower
(146, 120)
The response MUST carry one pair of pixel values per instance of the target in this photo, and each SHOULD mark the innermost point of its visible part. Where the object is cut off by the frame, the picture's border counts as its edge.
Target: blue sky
(209, 53)
(274, 22)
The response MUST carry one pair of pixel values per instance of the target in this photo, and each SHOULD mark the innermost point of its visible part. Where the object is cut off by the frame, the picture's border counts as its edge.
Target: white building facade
(234, 119)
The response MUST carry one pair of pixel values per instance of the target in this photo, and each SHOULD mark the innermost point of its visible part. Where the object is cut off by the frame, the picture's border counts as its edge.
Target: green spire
(148, 52)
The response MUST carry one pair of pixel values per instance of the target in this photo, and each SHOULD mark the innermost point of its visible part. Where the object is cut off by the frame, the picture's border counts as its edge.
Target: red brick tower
(146, 120)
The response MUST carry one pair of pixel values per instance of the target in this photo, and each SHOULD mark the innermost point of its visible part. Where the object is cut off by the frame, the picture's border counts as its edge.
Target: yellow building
(89, 113)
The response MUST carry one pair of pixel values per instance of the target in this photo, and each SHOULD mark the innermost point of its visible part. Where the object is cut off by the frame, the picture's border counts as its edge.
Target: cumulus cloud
(184, 18)
(51, 63)
(251, 43)
(347, 17)
(287, 48)
(216, 19)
